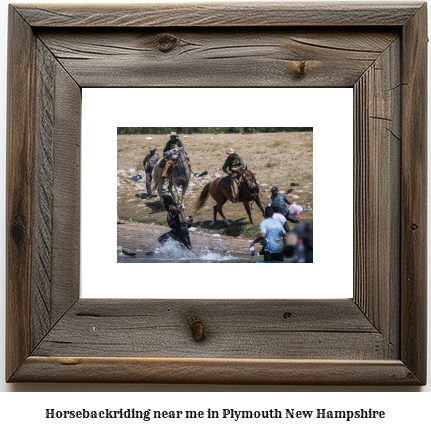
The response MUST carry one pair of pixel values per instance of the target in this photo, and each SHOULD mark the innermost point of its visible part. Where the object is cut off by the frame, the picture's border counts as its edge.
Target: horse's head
(182, 169)
(248, 178)
(172, 154)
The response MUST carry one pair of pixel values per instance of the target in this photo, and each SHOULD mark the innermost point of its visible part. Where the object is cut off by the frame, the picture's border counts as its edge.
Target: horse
(178, 177)
(248, 192)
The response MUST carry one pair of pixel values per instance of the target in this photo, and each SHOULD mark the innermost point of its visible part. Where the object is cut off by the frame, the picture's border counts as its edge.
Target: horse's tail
(202, 198)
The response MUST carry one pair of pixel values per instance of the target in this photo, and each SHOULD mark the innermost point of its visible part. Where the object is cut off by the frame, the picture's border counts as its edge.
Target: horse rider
(233, 167)
(149, 162)
(173, 142)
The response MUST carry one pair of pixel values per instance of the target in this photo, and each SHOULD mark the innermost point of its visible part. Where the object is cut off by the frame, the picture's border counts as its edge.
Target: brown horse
(248, 192)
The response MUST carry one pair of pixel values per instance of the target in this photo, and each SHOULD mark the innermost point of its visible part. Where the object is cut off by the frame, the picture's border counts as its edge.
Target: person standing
(149, 162)
(274, 235)
(173, 142)
(233, 166)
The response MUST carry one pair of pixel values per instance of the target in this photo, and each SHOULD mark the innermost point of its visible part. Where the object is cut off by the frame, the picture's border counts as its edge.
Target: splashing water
(173, 250)
(209, 248)
(211, 256)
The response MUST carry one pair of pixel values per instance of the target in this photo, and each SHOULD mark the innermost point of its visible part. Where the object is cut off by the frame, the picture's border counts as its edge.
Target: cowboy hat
(174, 134)
(231, 151)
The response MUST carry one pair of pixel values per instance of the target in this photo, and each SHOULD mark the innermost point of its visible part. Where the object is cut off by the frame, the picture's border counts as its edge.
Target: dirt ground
(275, 158)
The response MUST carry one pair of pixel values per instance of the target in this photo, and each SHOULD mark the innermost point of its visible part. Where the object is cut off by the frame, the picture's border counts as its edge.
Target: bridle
(180, 162)
(252, 181)
(250, 187)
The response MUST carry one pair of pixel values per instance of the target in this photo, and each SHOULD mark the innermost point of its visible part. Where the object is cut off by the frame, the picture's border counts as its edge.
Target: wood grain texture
(377, 147)
(55, 279)
(211, 57)
(67, 198)
(378, 337)
(19, 201)
(414, 194)
(268, 329)
(43, 194)
(219, 15)
(215, 371)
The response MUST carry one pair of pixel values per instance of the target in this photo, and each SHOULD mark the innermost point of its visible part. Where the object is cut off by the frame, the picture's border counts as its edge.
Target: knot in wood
(300, 69)
(18, 233)
(414, 226)
(197, 328)
(167, 42)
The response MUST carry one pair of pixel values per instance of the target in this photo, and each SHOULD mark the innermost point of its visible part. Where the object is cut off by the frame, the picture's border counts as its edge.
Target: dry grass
(275, 158)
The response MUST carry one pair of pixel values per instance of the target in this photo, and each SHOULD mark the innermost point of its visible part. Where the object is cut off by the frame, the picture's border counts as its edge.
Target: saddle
(227, 184)
(224, 182)
(174, 167)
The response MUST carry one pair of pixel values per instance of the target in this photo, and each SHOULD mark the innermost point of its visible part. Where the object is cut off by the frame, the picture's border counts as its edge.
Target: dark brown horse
(248, 192)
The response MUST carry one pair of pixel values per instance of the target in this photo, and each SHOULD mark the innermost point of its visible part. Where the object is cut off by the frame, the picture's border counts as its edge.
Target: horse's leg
(247, 208)
(215, 215)
(220, 211)
(179, 197)
(171, 191)
(175, 193)
(159, 187)
(220, 199)
(217, 209)
(183, 193)
(173, 183)
(259, 204)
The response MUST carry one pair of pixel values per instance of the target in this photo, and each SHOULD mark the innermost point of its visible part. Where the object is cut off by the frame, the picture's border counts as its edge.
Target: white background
(404, 408)
(328, 111)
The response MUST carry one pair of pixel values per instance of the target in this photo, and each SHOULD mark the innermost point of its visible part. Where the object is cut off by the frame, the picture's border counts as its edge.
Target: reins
(196, 177)
(254, 195)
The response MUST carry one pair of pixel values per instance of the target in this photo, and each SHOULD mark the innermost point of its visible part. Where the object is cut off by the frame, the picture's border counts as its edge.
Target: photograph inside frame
(214, 194)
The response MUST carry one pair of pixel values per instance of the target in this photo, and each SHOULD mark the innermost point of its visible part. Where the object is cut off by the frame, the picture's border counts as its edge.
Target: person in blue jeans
(274, 235)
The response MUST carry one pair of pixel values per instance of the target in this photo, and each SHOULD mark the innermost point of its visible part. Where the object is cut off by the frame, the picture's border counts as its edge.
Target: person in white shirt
(279, 217)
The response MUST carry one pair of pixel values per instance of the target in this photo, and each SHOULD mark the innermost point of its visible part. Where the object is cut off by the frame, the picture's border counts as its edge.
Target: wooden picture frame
(376, 338)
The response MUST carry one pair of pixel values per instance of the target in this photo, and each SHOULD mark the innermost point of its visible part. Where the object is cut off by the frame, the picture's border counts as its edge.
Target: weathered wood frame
(378, 337)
